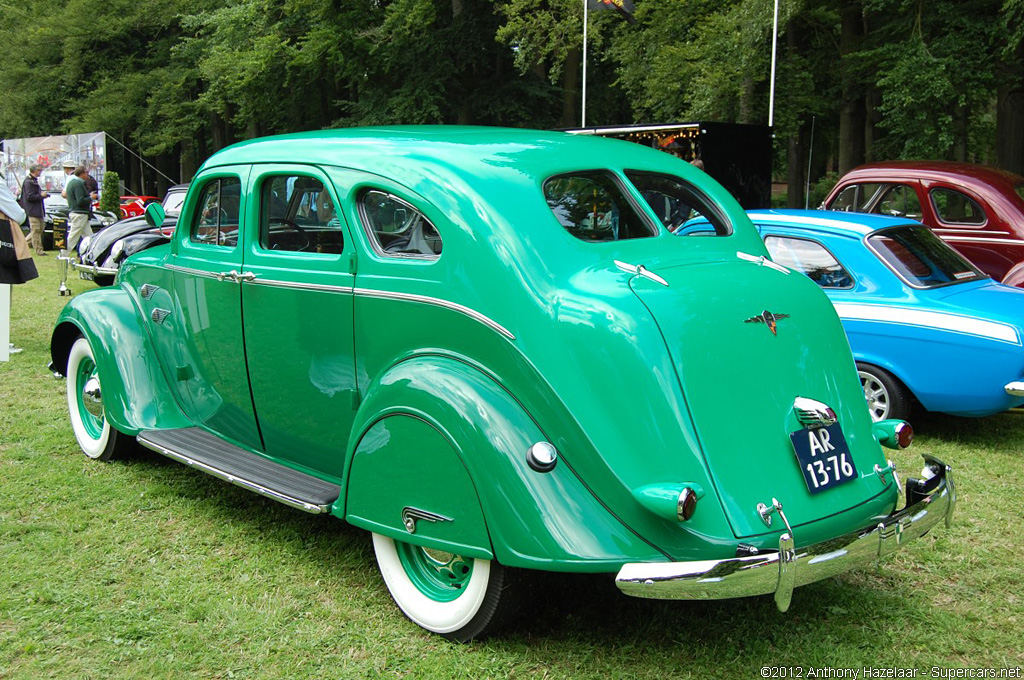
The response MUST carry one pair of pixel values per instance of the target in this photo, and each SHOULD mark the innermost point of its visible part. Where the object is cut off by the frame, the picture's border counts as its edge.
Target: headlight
(116, 250)
(83, 245)
(106, 220)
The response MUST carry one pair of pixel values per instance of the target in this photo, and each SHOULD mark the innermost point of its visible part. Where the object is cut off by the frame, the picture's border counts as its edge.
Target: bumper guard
(929, 501)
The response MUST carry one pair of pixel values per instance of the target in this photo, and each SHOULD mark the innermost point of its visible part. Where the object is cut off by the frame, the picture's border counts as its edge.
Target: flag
(623, 7)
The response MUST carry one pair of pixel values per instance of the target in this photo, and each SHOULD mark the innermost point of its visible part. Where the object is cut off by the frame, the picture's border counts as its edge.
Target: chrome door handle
(245, 276)
(232, 275)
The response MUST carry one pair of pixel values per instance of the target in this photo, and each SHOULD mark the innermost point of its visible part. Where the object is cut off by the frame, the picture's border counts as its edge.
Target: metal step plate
(199, 449)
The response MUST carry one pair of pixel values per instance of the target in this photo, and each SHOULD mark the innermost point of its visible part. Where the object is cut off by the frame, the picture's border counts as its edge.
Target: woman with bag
(16, 265)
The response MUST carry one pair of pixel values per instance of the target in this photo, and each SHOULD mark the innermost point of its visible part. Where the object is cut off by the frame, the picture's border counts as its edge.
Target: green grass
(147, 569)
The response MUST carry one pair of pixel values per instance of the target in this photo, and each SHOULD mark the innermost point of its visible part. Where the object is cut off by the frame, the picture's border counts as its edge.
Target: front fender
(532, 519)
(135, 392)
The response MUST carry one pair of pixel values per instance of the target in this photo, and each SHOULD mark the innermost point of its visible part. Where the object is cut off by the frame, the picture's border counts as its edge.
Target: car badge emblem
(769, 319)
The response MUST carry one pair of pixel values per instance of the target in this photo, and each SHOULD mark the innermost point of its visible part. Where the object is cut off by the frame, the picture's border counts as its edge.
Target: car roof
(936, 170)
(468, 151)
(828, 221)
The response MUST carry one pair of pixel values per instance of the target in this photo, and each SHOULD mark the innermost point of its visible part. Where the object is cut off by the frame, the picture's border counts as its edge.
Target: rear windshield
(921, 258)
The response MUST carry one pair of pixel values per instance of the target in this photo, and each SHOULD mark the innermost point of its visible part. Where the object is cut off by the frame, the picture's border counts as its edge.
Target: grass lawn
(147, 569)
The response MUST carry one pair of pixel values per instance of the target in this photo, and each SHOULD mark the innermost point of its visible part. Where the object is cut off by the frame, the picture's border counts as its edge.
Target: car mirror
(155, 215)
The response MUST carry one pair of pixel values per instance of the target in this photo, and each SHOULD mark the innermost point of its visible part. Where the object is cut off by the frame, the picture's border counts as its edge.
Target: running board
(204, 451)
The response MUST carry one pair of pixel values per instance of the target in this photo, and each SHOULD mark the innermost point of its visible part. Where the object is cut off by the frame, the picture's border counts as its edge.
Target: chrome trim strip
(967, 230)
(761, 260)
(781, 572)
(437, 302)
(956, 323)
(302, 286)
(197, 272)
(968, 239)
(237, 481)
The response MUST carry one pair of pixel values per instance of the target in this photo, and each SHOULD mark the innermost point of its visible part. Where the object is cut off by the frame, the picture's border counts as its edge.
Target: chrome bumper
(1015, 389)
(929, 501)
(82, 268)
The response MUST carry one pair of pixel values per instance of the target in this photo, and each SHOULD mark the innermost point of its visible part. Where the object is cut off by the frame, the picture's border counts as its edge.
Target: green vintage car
(486, 348)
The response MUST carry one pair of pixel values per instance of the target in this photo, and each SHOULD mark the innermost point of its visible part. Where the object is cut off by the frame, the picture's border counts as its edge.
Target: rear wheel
(97, 439)
(885, 394)
(461, 598)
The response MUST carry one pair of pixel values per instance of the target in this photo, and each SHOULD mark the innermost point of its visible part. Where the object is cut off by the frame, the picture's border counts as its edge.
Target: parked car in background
(976, 209)
(484, 347)
(924, 324)
(135, 206)
(57, 215)
(102, 254)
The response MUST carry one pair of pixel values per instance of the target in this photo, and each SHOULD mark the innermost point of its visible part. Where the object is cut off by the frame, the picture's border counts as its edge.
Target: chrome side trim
(969, 239)
(761, 260)
(232, 479)
(953, 231)
(905, 316)
(303, 286)
(411, 515)
(437, 302)
(197, 272)
(780, 572)
(640, 270)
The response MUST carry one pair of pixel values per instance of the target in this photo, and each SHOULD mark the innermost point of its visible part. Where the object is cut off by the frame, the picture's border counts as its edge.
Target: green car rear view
(485, 347)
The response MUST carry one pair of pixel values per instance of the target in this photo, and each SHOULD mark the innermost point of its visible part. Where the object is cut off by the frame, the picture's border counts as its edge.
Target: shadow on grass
(564, 611)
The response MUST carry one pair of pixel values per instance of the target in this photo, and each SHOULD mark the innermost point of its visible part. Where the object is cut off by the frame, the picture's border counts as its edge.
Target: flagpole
(583, 116)
(775, 43)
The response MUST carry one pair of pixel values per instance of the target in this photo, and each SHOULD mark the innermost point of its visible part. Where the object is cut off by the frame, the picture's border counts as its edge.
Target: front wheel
(97, 439)
(461, 598)
(885, 394)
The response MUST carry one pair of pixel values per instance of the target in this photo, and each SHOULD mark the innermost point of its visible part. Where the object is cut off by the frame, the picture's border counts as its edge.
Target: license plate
(824, 457)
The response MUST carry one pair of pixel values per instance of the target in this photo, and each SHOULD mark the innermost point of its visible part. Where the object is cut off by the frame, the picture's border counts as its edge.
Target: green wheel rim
(93, 424)
(441, 576)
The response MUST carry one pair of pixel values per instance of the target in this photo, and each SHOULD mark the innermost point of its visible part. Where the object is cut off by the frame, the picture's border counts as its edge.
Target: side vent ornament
(159, 315)
(148, 290)
(412, 515)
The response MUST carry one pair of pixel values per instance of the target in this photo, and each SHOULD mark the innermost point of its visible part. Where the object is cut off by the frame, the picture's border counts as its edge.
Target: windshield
(921, 258)
(173, 202)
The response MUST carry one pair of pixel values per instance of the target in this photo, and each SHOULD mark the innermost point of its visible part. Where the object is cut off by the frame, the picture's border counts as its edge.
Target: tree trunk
(570, 89)
(961, 126)
(746, 112)
(1010, 116)
(851, 111)
(796, 175)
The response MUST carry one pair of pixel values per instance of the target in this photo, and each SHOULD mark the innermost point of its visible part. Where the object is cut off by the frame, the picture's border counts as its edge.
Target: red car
(134, 206)
(976, 209)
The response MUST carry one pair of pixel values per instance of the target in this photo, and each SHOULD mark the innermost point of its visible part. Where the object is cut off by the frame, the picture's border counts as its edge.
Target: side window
(679, 206)
(297, 214)
(216, 220)
(592, 207)
(855, 198)
(953, 207)
(811, 258)
(396, 229)
(899, 200)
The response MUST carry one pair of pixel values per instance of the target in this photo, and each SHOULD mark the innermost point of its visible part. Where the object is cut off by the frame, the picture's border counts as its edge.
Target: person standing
(32, 200)
(69, 170)
(80, 204)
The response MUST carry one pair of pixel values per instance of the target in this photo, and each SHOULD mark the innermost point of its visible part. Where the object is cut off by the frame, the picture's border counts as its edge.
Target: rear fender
(430, 414)
(135, 392)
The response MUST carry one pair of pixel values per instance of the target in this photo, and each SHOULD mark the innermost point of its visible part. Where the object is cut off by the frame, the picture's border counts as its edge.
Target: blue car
(924, 324)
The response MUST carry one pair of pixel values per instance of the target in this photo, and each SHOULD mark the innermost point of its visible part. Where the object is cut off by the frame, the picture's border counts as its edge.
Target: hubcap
(90, 401)
(876, 395)
(439, 575)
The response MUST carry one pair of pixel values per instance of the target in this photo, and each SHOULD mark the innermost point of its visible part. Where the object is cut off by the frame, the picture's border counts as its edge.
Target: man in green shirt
(81, 204)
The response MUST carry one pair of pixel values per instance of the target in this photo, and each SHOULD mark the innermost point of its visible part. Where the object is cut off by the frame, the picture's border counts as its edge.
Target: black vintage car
(102, 254)
(57, 216)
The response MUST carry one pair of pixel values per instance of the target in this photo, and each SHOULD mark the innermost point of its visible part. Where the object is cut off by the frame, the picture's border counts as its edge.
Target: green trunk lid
(740, 381)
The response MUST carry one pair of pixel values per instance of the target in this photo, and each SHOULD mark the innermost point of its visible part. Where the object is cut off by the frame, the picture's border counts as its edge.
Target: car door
(297, 292)
(207, 256)
(967, 222)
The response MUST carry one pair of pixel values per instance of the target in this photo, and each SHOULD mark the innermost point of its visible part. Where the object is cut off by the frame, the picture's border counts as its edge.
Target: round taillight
(904, 435)
(686, 505)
